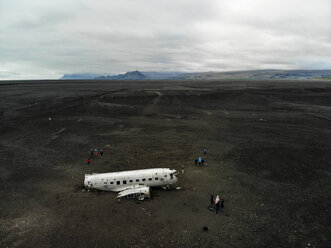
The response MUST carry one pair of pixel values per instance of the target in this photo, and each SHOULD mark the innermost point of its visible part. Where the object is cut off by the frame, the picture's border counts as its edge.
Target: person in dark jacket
(222, 205)
(101, 153)
(196, 162)
(211, 201)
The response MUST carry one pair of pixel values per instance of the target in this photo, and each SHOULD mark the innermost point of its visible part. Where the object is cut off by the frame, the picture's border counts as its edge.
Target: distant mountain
(161, 75)
(257, 75)
(80, 76)
(232, 75)
(131, 75)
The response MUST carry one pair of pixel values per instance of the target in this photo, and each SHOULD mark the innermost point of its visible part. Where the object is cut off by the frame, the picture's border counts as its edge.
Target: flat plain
(268, 154)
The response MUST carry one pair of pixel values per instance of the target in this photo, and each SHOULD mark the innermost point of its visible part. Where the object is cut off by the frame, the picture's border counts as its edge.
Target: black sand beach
(268, 156)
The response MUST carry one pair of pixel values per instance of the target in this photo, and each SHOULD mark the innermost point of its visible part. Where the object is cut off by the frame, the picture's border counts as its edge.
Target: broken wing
(138, 191)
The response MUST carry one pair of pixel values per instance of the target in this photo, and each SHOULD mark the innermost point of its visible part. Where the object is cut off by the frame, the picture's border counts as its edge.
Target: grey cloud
(45, 39)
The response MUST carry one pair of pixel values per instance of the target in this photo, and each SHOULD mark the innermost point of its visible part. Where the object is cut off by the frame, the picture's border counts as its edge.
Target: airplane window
(111, 182)
(124, 181)
(131, 181)
(156, 178)
(118, 182)
(150, 179)
(144, 179)
(165, 175)
(137, 180)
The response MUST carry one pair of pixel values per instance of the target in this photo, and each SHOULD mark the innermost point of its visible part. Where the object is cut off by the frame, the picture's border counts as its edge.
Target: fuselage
(118, 181)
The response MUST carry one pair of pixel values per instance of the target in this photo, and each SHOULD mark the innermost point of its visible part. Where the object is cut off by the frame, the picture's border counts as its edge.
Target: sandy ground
(268, 156)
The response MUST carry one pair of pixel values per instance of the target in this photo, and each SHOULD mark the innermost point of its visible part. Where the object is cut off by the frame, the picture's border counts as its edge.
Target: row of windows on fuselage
(131, 181)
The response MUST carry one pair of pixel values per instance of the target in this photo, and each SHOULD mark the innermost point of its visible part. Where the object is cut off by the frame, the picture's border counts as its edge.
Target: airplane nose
(175, 179)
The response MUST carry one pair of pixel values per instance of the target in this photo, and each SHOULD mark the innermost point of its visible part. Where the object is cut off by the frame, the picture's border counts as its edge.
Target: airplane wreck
(132, 183)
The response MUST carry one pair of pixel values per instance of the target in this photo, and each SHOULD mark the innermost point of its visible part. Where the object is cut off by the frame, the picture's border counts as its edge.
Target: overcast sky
(46, 39)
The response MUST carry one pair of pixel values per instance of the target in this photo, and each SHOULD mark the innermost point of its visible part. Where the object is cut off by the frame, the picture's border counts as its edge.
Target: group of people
(201, 160)
(94, 153)
(218, 203)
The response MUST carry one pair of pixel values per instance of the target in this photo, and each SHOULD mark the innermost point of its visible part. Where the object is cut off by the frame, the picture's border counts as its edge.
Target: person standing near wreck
(211, 201)
(101, 152)
(88, 160)
(217, 203)
(222, 205)
(199, 160)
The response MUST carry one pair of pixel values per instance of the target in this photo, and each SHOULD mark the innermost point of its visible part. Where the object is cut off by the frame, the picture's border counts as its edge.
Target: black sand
(268, 157)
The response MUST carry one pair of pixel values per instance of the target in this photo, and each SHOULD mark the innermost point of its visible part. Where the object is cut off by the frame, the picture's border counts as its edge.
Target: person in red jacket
(88, 160)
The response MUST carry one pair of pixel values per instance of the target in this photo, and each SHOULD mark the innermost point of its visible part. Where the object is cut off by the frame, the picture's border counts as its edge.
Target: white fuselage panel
(118, 181)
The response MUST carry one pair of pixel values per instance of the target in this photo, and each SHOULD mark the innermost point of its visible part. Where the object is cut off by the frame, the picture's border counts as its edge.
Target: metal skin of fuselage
(119, 181)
